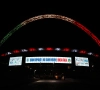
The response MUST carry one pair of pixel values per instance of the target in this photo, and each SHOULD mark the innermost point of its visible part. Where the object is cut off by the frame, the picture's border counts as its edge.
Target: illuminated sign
(48, 60)
(81, 61)
(15, 61)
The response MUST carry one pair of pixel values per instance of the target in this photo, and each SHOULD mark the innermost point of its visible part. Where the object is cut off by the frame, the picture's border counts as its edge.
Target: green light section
(10, 33)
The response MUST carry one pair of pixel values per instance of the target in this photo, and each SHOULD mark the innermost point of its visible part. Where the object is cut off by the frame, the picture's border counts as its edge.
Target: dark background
(49, 32)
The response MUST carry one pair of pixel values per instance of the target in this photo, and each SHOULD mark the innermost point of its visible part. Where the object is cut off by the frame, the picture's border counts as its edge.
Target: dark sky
(50, 32)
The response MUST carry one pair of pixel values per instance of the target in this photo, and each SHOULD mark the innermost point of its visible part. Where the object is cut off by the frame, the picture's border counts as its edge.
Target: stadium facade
(56, 63)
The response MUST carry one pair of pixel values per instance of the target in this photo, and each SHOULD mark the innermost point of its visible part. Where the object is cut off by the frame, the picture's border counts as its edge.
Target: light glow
(83, 52)
(32, 49)
(66, 49)
(74, 50)
(57, 49)
(24, 50)
(8, 53)
(90, 53)
(40, 49)
(49, 49)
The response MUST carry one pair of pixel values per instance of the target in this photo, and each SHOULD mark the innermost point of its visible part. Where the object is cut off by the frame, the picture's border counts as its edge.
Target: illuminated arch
(51, 16)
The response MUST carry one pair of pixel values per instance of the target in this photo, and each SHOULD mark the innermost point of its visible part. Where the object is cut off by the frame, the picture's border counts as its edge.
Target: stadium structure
(49, 62)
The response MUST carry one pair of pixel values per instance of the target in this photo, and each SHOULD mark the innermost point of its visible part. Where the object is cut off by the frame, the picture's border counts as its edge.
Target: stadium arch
(51, 16)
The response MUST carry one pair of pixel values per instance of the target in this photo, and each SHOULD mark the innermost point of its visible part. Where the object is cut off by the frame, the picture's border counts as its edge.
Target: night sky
(50, 32)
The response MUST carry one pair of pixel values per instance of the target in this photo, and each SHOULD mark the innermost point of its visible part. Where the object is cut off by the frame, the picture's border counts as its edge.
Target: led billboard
(15, 61)
(81, 61)
(48, 60)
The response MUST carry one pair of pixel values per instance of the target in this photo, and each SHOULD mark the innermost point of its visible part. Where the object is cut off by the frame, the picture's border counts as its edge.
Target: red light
(16, 51)
(66, 49)
(49, 49)
(32, 49)
(96, 55)
(3, 55)
(88, 32)
(83, 52)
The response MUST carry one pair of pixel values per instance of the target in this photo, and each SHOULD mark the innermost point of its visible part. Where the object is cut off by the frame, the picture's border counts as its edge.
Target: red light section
(49, 49)
(66, 49)
(83, 52)
(32, 49)
(88, 32)
(96, 55)
(3, 54)
(16, 51)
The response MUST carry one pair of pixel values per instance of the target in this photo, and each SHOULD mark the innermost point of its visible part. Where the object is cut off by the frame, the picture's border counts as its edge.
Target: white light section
(40, 49)
(24, 50)
(90, 53)
(57, 49)
(74, 50)
(8, 53)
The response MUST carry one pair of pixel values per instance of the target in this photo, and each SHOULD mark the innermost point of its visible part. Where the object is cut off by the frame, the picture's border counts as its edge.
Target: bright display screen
(81, 61)
(15, 61)
(48, 60)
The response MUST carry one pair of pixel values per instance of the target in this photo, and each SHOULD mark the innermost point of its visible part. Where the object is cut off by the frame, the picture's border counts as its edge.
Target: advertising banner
(81, 61)
(48, 60)
(13, 61)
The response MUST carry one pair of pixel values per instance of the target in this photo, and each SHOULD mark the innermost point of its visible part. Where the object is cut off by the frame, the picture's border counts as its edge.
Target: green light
(10, 33)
